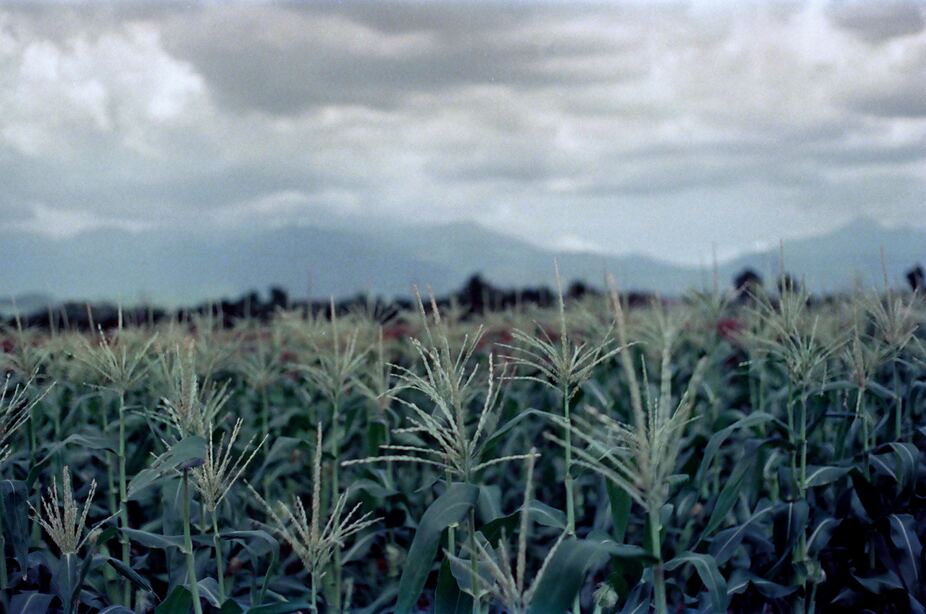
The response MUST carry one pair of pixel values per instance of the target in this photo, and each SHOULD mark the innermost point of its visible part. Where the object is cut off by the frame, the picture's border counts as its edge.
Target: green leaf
(66, 580)
(772, 590)
(820, 535)
(741, 580)
(545, 515)
(187, 453)
(728, 496)
(127, 572)
(508, 426)
(231, 607)
(450, 508)
(881, 391)
(724, 543)
(538, 512)
(904, 538)
(360, 548)
(789, 522)
(88, 441)
(718, 439)
(258, 542)
(105, 535)
(280, 608)
(880, 583)
(449, 598)
(154, 540)
(209, 588)
(821, 476)
(564, 575)
(178, 602)
(620, 509)
(639, 599)
(710, 576)
(488, 505)
(377, 433)
(15, 523)
(868, 494)
(378, 605)
(607, 545)
(31, 603)
(281, 450)
(463, 573)
(907, 459)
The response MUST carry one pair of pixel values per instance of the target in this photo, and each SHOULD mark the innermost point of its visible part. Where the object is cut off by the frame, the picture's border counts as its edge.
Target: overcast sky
(622, 128)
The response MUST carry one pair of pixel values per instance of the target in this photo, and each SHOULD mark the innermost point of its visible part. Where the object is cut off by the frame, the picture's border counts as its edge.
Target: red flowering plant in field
(729, 328)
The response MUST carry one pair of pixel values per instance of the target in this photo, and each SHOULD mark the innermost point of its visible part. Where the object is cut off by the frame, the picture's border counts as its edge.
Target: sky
(664, 129)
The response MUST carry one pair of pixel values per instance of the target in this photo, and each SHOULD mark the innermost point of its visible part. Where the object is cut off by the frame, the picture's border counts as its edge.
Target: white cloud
(284, 208)
(60, 223)
(575, 243)
(121, 86)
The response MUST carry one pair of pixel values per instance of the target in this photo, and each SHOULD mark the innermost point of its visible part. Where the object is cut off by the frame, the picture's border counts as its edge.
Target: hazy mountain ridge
(174, 268)
(838, 260)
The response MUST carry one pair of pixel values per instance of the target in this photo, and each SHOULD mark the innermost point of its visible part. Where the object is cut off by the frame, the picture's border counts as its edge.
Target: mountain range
(174, 268)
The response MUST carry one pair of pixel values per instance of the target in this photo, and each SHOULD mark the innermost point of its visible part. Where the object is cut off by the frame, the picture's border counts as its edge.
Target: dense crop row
(708, 455)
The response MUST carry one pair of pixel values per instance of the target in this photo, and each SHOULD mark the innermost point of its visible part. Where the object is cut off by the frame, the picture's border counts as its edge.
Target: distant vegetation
(476, 297)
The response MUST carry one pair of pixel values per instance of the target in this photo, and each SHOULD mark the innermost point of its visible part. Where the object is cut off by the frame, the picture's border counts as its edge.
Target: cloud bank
(660, 129)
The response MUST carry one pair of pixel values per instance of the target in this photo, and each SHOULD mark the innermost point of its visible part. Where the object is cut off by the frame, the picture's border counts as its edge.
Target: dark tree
(577, 289)
(278, 297)
(916, 278)
(787, 283)
(747, 283)
(473, 294)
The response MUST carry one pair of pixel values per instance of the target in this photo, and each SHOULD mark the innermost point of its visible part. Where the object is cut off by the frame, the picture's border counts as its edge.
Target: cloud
(58, 95)
(575, 243)
(60, 223)
(628, 127)
(300, 57)
(877, 22)
(889, 91)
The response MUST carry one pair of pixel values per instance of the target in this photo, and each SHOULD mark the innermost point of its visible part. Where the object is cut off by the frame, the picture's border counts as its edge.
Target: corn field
(712, 454)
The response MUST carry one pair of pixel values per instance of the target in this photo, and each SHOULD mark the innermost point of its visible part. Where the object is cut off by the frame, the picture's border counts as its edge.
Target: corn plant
(316, 542)
(562, 365)
(709, 452)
